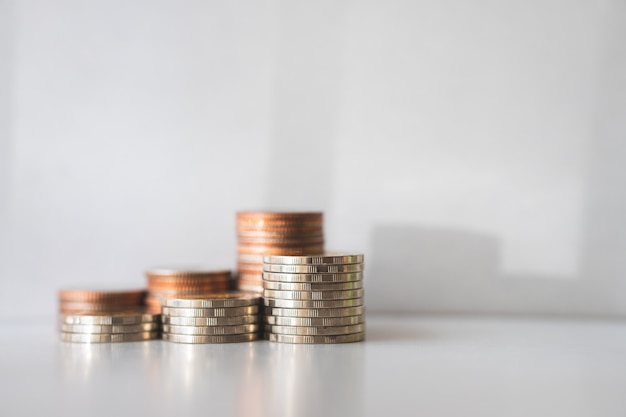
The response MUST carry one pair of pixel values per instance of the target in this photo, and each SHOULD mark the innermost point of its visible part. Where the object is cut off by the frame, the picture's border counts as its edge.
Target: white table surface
(413, 366)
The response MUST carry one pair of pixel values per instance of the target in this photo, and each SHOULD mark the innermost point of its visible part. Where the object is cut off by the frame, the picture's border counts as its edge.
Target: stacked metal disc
(274, 233)
(314, 298)
(225, 318)
(100, 300)
(171, 283)
(109, 327)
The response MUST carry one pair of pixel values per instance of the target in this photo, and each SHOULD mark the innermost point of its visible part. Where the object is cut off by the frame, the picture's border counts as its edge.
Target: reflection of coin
(312, 269)
(232, 299)
(211, 321)
(346, 338)
(313, 295)
(322, 259)
(322, 277)
(234, 338)
(108, 338)
(315, 331)
(316, 312)
(210, 312)
(314, 321)
(272, 302)
(210, 330)
(110, 319)
(117, 328)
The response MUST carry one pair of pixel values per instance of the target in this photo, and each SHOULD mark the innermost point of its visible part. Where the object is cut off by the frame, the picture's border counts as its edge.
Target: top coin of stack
(100, 300)
(274, 233)
(167, 283)
(314, 298)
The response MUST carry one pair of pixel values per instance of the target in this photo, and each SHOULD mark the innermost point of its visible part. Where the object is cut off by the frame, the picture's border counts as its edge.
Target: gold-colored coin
(210, 312)
(346, 338)
(210, 330)
(233, 338)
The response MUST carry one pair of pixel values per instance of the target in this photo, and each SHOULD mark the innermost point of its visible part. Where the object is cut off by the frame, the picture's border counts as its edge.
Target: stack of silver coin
(109, 327)
(220, 318)
(314, 299)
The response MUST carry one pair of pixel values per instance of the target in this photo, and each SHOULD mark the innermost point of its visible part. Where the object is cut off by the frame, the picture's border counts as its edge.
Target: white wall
(475, 151)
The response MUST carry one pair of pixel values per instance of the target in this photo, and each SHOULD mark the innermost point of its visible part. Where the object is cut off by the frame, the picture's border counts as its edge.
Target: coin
(314, 321)
(110, 319)
(313, 295)
(312, 286)
(346, 338)
(108, 338)
(322, 259)
(210, 312)
(210, 330)
(233, 338)
(234, 299)
(74, 307)
(282, 240)
(188, 272)
(109, 329)
(252, 288)
(316, 312)
(272, 302)
(278, 217)
(211, 321)
(315, 330)
(280, 250)
(323, 277)
(312, 269)
(102, 296)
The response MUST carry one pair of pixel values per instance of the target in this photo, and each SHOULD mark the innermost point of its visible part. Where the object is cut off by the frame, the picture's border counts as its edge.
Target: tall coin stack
(314, 299)
(227, 318)
(100, 301)
(169, 283)
(109, 327)
(273, 233)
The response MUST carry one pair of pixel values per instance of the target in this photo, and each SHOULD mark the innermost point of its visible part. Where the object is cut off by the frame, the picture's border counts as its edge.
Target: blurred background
(475, 151)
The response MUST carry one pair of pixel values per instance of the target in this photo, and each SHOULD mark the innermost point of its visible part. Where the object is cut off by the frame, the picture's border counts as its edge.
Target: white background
(474, 150)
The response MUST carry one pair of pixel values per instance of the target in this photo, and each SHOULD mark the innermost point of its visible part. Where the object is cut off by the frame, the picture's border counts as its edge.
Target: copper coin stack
(225, 318)
(314, 298)
(100, 301)
(170, 283)
(273, 233)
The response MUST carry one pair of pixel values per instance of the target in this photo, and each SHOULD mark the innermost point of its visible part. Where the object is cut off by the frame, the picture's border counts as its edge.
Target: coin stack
(314, 299)
(170, 283)
(225, 318)
(109, 327)
(99, 300)
(273, 233)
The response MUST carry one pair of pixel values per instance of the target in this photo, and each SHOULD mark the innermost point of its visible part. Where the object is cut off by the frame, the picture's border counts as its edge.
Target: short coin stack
(225, 318)
(314, 299)
(170, 283)
(273, 233)
(100, 300)
(109, 327)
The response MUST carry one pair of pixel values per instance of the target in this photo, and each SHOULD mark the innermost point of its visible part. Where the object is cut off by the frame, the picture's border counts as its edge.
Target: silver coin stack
(221, 318)
(108, 328)
(314, 299)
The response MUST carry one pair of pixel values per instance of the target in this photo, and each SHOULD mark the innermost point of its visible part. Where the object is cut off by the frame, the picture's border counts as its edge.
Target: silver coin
(108, 338)
(315, 312)
(109, 329)
(315, 331)
(324, 277)
(210, 330)
(210, 312)
(312, 269)
(312, 286)
(346, 338)
(273, 302)
(233, 338)
(322, 259)
(110, 319)
(231, 299)
(314, 321)
(313, 295)
(211, 321)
